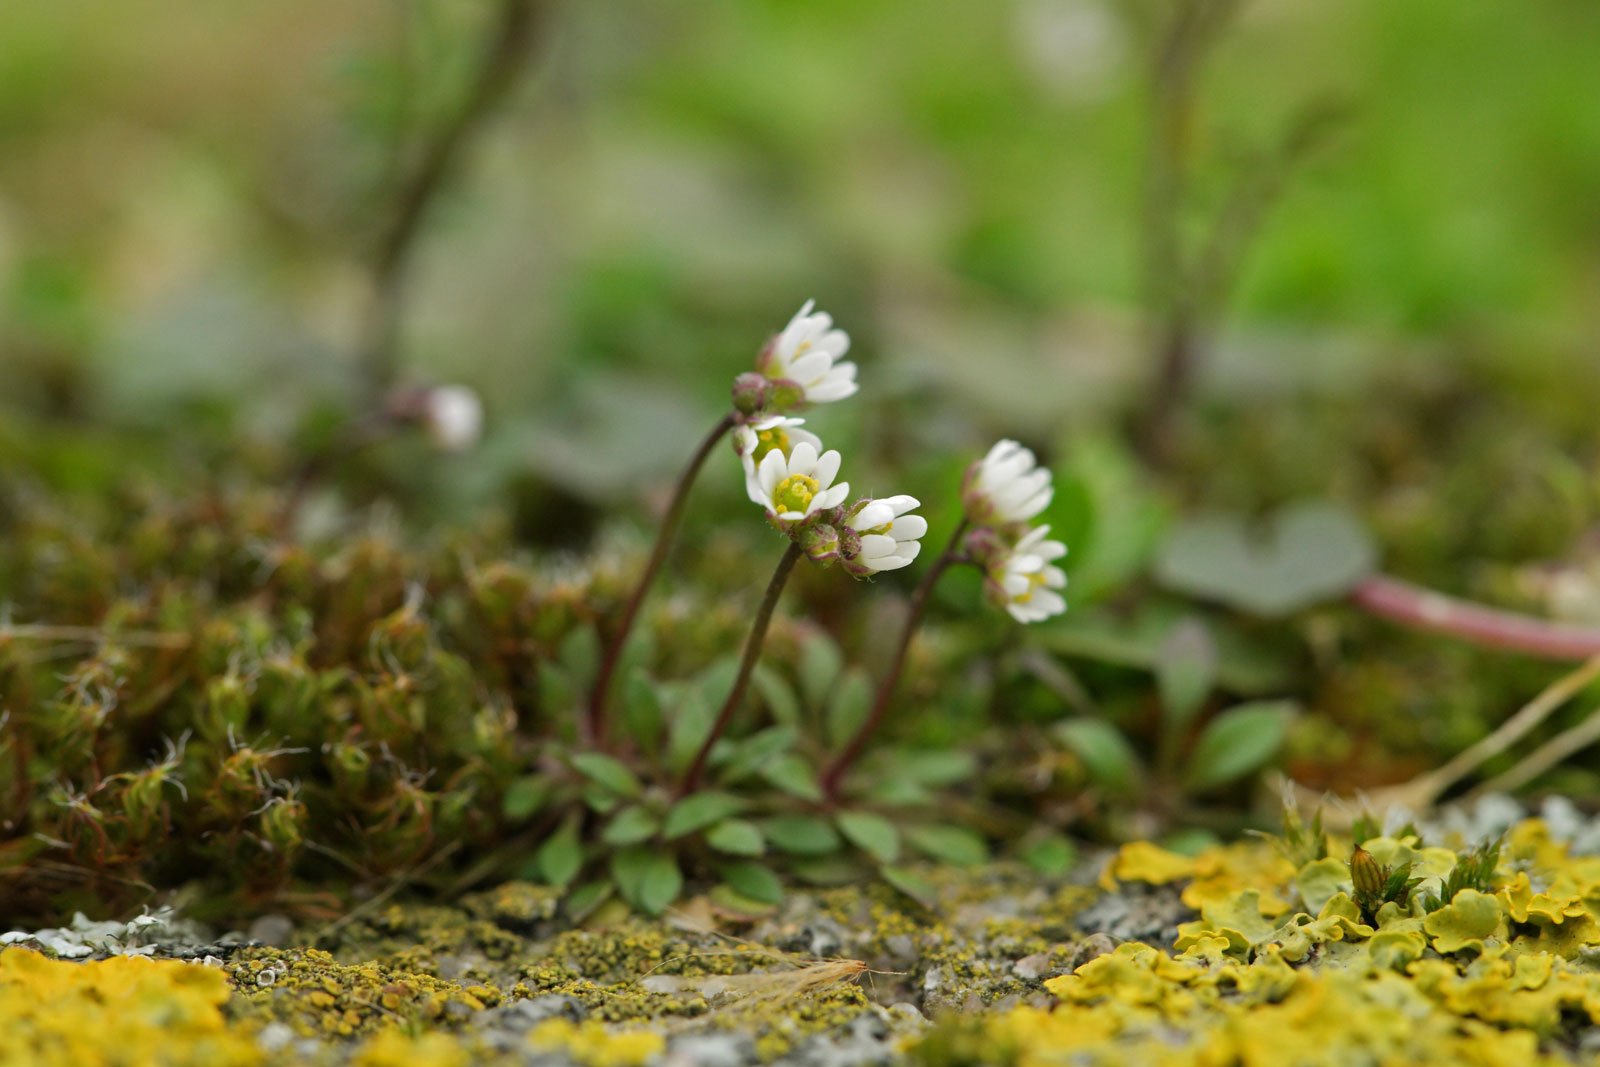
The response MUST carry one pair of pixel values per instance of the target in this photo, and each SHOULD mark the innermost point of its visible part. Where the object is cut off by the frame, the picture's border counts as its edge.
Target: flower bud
(1365, 874)
(821, 542)
(750, 393)
(784, 395)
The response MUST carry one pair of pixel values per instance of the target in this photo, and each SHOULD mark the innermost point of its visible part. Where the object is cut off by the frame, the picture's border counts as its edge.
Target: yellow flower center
(775, 439)
(795, 493)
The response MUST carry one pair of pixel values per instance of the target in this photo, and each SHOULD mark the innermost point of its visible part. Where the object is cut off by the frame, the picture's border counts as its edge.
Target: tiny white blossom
(807, 353)
(796, 486)
(890, 538)
(1026, 583)
(753, 441)
(1006, 486)
(453, 415)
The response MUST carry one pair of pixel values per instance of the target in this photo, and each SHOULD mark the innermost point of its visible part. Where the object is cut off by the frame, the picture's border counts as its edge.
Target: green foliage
(1475, 869)
(1293, 559)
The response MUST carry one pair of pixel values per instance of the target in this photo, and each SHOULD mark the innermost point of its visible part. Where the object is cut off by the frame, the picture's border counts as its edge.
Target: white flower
(890, 538)
(1026, 583)
(796, 486)
(807, 353)
(1006, 486)
(453, 415)
(753, 441)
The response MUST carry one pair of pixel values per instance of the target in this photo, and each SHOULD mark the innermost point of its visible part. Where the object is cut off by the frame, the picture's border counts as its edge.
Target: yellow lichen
(592, 1045)
(116, 1011)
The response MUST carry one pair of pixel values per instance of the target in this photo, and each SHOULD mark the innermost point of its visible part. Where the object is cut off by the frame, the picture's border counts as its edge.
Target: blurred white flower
(794, 487)
(1006, 486)
(807, 354)
(1025, 581)
(453, 415)
(889, 538)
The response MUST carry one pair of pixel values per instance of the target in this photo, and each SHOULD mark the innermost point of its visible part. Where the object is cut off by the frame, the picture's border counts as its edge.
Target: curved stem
(510, 43)
(752, 652)
(834, 775)
(594, 723)
(1424, 609)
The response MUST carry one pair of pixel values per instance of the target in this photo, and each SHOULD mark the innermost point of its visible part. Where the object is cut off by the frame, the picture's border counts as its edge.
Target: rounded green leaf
(608, 773)
(801, 835)
(1238, 742)
(630, 826)
(753, 880)
(648, 879)
(794, 776)
(847, 706)
(736, 837)
(1186, 671)
(949, 844)
(699, 810)
(873, 834)
(1106, 754)
(561, 856)
(525, 796)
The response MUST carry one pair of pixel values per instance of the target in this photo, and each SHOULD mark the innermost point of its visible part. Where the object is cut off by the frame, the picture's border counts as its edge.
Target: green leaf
(949, 844)
(630, 826)
(777, 694)
(848, 706)
(820, 664)
(753, 880)
(911, 884)
(736, 837)
(600, 800)
(606, 772)
(873, 834)
(648, 878)
(1051, 855)
(579, 654)
(933, 766)
(754, 752)
(557, 691)
(729, 900)
(582, 901)
(692, 719)
(1300, 556)
(801, 835)
(1108, 511)
(699, 810)
(525, 796)
(561, 856)
(1238, 742)
(794, 776)
(1186, 671)
(1104, 751)
(826, 870)
(642, 716)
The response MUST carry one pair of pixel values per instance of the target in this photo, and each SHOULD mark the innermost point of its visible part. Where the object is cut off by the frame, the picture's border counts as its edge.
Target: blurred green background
(188, 192)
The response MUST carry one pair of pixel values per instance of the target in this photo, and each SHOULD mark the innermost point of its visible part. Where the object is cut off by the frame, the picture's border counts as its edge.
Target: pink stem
(1424, 609)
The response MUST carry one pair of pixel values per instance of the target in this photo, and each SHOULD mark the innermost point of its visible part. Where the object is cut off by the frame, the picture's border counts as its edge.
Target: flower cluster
(788, 473)
(1003, 492)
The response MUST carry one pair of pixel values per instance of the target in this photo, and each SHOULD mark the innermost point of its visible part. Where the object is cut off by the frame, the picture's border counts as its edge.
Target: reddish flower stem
(1424, 609)
(834, 775)
(752, 652)
(594, 721)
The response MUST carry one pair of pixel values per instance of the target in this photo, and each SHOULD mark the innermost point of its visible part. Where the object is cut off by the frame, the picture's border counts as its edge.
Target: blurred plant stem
(1424, 609)
(594, 722)
(747, 663)
(1188, 280)
(833, 776)
(509, 45)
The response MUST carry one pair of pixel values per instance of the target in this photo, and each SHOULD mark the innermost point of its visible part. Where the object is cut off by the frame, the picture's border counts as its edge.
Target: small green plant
(1475, 869)
(1196, 754)
(1379, 884)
